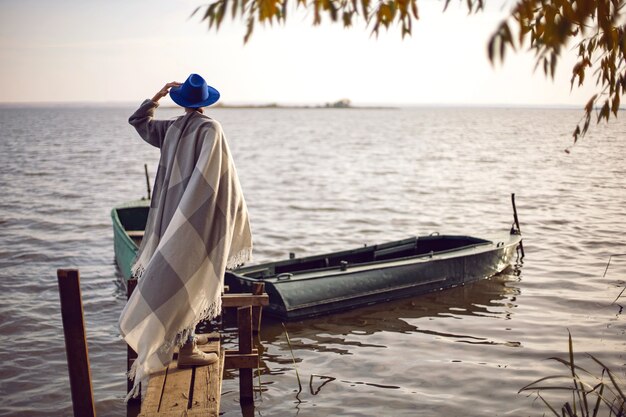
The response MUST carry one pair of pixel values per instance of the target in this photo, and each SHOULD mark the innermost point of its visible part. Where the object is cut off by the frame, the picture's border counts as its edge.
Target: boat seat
(384, 253)
(260, 272)
(135, 233)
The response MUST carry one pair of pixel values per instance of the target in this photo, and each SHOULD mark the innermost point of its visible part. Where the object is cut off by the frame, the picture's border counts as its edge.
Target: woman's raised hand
(163, 92)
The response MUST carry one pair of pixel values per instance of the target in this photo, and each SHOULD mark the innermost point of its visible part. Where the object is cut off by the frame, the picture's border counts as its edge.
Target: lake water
(322, 180)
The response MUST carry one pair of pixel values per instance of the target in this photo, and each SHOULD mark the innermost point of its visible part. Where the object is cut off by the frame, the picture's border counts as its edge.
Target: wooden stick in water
(521, 245)
(145, 168)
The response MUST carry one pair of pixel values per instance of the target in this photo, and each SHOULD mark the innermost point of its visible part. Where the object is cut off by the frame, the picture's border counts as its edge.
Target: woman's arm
(152, 131)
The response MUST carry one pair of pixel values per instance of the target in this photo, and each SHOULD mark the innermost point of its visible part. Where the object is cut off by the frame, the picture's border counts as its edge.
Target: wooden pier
(186, 392)
(172, 392)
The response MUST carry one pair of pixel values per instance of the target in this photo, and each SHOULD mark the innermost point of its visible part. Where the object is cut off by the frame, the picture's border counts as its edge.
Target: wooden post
(244, 324)
(76, 342)
(257, 289)
(133, 406)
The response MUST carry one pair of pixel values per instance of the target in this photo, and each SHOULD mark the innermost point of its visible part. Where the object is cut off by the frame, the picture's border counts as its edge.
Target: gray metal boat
(315, 285)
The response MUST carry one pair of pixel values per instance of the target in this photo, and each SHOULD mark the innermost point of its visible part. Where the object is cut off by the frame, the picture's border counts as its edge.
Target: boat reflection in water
(357, 338)
(494, 297)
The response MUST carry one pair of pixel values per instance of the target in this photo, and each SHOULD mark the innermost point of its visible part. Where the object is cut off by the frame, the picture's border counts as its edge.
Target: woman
(197, 227)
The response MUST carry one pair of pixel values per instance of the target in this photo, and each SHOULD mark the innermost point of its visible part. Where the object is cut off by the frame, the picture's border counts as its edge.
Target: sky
(112, 51)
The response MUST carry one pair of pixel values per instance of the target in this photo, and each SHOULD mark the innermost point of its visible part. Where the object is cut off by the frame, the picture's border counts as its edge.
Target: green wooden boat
(129, 223)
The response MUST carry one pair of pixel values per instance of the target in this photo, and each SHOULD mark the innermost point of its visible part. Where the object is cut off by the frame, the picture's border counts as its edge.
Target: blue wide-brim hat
(194, 93)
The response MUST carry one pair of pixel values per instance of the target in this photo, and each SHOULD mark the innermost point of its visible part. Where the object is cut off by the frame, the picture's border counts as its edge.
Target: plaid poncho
(197, 227)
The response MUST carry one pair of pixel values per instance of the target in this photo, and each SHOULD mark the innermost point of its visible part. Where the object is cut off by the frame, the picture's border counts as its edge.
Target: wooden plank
(201, 413)
(207, 383)
(76, 342)
(203, 383)
(238, 361)
(237, 352)
(151, 402)
(244, 299)
(169, 392)
(177, 388)
(182, 413)
(221, 378)
(206, 386)
(244, 324)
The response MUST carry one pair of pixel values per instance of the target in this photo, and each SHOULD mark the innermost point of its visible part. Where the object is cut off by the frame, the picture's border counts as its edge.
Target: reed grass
(258, 376)
(293, 358)
(607, 270)
(598, 393)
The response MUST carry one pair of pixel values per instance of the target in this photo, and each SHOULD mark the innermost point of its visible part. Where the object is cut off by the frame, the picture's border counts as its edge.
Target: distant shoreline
(292, 107)
(271, 106)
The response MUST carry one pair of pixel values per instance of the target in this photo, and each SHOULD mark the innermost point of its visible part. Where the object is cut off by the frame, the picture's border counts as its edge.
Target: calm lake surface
(322, 180)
